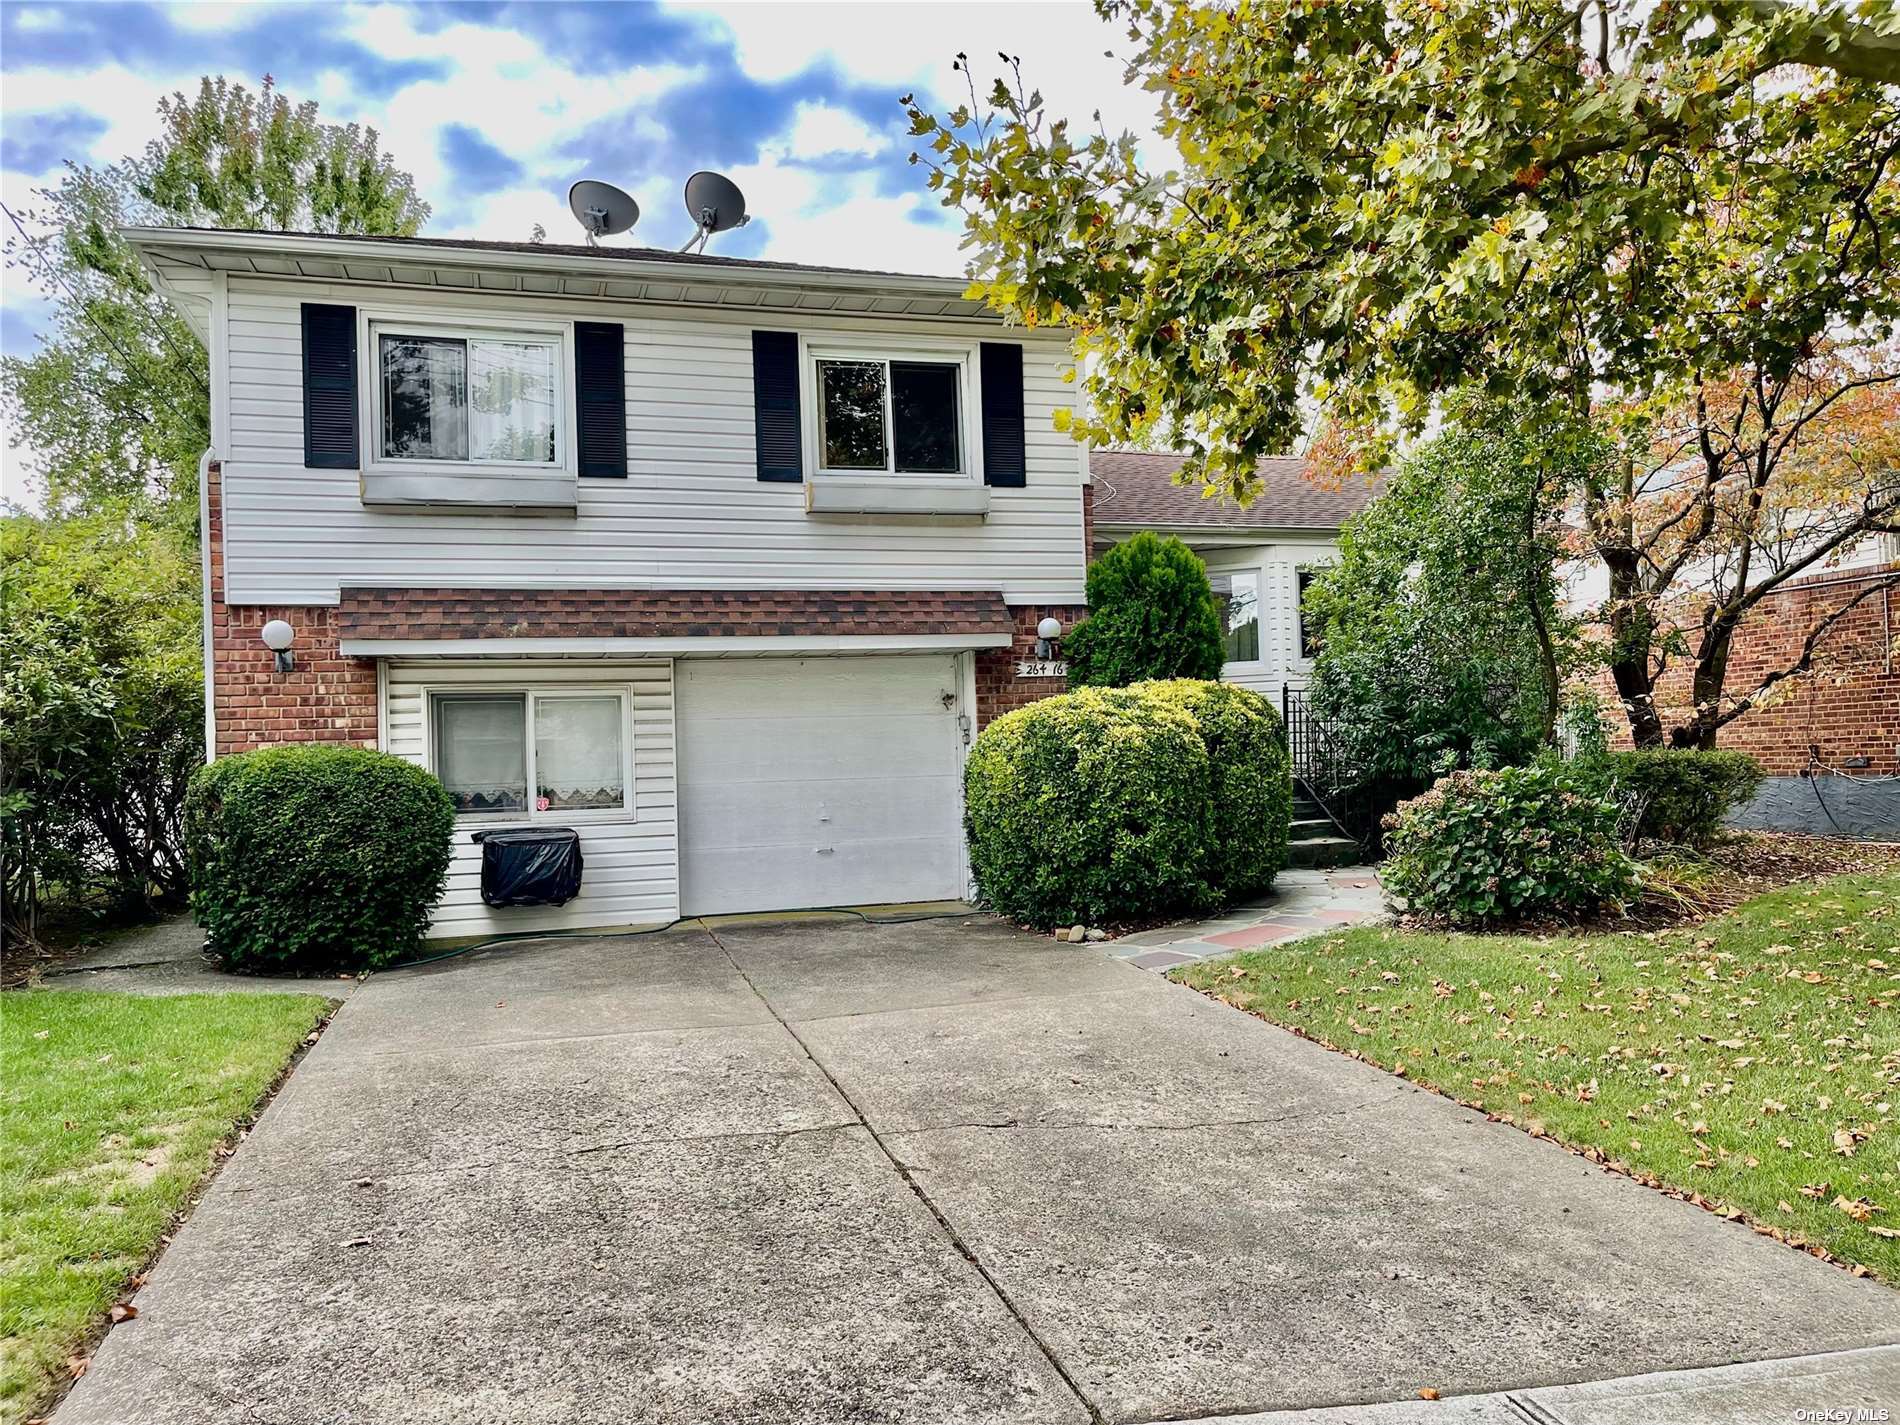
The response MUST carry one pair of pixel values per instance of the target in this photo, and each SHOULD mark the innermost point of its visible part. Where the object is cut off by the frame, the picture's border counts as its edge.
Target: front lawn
(1752, 1061)
(110, 1107)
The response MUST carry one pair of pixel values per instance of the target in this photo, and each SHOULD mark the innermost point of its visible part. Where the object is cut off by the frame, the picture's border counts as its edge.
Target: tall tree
(1382, 201)
(115, 403)
(1442, 630)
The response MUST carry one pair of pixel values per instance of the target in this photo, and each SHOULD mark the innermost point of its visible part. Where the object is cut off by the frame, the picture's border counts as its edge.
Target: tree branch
(1813, 641)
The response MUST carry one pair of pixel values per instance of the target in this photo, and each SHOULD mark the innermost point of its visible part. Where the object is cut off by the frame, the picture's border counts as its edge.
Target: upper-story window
(892, 414)
(482, 398)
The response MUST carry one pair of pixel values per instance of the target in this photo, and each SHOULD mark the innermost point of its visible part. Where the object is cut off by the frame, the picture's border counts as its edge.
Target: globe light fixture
(277, 636)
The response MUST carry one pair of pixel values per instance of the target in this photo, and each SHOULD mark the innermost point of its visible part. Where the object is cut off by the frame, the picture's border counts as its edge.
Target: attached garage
(819, 781)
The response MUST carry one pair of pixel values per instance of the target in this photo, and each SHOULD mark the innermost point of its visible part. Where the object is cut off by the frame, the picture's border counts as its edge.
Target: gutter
(411, 250)
(204, 574)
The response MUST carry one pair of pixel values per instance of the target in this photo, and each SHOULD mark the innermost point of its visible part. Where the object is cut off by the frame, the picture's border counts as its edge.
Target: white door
(818, 782)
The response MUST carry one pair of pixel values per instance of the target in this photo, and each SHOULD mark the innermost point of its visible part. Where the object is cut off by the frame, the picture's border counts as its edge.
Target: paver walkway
(1302, 903)
(934, 1173)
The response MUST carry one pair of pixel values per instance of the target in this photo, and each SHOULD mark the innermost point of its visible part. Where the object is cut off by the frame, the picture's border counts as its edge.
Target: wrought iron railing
(1324, 773)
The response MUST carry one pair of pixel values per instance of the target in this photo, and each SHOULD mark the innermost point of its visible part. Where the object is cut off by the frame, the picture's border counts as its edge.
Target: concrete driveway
(823, 1171)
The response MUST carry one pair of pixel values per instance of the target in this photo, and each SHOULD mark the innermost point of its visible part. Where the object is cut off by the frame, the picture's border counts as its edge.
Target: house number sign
(1042, 668)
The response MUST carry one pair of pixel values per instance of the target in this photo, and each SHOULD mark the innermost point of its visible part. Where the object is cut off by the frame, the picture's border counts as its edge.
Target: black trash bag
(534, 866)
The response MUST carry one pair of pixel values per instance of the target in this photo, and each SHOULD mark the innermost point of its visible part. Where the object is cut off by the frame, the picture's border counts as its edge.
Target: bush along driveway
(1750, 1064)
(110, 1110)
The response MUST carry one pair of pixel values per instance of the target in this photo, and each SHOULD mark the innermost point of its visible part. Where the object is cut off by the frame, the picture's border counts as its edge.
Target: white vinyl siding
(691, 512)
(630, 874)
(1277, 567)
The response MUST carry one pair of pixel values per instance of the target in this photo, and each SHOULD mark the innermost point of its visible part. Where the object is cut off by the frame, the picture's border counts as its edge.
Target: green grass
(110, 1108)
(1737, 1060)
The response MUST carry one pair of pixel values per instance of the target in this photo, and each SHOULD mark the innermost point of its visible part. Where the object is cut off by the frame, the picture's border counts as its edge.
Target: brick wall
(1848, 706)
(325, 698)
(998, 689)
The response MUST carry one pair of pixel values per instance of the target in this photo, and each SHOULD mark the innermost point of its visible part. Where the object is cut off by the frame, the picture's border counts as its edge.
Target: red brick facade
(325, 698)
(998, 689)
(1847, 707)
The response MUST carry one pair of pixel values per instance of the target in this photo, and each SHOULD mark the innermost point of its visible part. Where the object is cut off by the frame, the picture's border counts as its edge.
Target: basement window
(531, 755)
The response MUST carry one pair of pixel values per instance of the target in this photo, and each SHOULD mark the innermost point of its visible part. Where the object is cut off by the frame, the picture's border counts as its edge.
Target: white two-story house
(720, 563)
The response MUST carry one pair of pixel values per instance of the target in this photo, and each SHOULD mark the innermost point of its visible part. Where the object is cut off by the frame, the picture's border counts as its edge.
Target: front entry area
(818, 781)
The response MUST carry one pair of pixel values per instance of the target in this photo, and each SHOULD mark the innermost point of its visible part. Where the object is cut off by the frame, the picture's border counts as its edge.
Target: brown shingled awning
(378, 620)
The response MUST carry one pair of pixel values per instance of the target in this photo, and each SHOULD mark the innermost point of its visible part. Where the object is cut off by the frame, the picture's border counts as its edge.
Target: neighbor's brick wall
(1848, 706)
(998, 689)
(326, 698)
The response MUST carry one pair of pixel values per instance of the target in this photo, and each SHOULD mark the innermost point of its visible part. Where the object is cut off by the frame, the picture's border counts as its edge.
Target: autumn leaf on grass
(1845, 1140)
(1814, 1189)
(1857, 1208)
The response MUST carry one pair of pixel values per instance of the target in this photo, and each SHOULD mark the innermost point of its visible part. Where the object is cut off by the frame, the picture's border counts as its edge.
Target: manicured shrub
(1087, 807)
(1511, 844)
(1252, 780)
(1132, 804)
(1151, 615)
(315, 858)
(1681, 795)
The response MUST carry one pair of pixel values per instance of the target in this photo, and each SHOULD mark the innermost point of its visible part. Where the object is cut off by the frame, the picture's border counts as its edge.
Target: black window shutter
(1005, 461)
(600, 379)
(329, 387)
(775, 423)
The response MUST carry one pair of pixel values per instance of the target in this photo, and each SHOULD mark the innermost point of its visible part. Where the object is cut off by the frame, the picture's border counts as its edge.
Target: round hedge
(315, 858)
(1252, 792)
(1127, 804)
(1517, 843)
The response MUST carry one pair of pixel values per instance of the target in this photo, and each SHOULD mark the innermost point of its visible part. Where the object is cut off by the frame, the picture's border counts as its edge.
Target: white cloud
(819, 129)
(505, 86)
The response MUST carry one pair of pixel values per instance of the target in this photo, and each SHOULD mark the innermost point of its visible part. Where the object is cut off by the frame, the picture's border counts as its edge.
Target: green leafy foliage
(316, 858)
(1252, 789)
(115, 404)
(1682, 793)
(1381, 202)
(1517, 843)
(101, 712)
(1124, 805)
(1151, 615)
(1443, 636)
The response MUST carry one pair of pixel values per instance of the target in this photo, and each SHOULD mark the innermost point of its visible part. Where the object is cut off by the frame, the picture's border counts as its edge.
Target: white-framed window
(534, 754)
(1237, 597)
(482, 395)
(1305, 635)
(900, 412)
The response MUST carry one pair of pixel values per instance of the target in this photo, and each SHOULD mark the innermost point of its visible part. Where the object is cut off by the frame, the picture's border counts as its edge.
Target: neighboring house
(1258, 558)
(721, 563)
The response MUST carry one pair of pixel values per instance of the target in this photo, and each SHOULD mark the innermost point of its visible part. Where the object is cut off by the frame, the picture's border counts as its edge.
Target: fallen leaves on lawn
(1858, 1208)
(122, 1311)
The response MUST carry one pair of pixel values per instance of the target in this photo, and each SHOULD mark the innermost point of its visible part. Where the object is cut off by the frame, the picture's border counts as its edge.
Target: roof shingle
(1135, 487)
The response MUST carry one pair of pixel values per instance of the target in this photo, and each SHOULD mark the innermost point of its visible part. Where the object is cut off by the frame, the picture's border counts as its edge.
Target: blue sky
(497, 107)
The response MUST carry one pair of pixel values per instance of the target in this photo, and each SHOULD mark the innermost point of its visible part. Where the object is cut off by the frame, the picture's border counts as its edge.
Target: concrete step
(1322, 852)
(1311, 828)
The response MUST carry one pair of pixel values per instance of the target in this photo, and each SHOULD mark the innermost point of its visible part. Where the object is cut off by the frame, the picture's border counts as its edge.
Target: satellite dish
(714, 203)
(602, 209)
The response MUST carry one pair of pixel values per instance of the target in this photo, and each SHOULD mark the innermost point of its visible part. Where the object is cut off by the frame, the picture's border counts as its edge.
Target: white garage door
(818, 781)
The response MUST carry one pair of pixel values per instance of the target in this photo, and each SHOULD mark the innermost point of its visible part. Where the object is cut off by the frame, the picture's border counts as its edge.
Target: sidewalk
(1301, 903)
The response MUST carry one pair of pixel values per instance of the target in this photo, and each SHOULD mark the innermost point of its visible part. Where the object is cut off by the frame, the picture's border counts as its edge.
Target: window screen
(481, 751)
(578, 763)
(474, 399)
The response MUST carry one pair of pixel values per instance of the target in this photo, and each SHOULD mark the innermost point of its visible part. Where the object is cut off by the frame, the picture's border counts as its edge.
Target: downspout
(204, 575)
